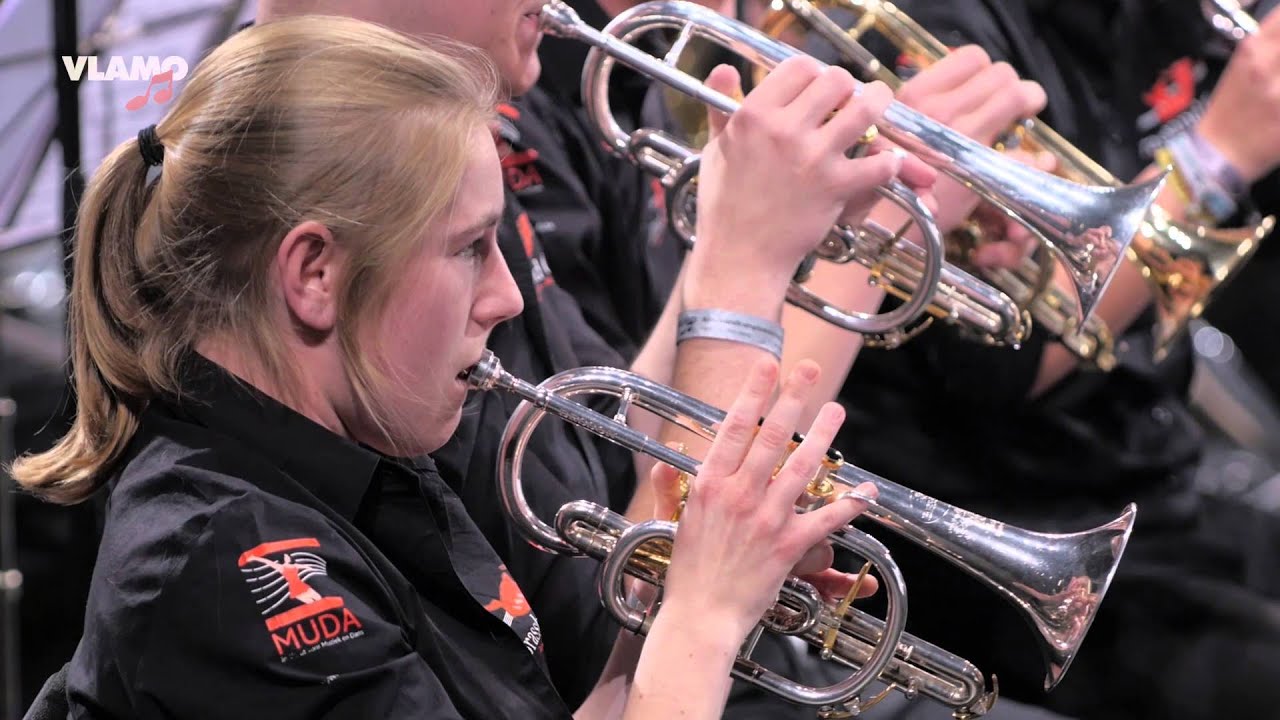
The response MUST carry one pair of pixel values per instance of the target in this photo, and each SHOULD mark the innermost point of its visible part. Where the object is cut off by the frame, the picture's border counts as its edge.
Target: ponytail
(105, 320)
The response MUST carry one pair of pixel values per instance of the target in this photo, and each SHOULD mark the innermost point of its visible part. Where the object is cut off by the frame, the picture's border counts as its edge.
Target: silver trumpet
(978, 309)
(1088, 227)
(1057, 580)
(676, 165)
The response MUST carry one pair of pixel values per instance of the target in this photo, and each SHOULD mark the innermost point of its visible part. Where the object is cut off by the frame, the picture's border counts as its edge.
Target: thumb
(725, 80)
(816, 525)
(667, 493)
(861, 179)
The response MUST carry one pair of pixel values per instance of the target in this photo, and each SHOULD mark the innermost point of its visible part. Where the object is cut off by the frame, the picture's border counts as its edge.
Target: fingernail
(856, 495)
(899, 158)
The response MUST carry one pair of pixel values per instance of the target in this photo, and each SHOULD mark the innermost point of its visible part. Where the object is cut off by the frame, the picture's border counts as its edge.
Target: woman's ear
(306, 267)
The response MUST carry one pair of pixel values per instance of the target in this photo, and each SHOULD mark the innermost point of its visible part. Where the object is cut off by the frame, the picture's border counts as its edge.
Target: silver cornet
(1057, 580)
(1089, 227)
(676, 165)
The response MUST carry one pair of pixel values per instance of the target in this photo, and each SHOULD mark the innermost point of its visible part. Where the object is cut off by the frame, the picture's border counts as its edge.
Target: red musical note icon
(162, 96)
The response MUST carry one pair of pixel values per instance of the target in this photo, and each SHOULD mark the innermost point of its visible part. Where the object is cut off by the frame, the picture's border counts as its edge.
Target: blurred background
(53, 133)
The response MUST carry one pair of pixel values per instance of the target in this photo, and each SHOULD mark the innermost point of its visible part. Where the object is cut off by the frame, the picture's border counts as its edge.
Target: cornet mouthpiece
(560, 20)
(485, 374)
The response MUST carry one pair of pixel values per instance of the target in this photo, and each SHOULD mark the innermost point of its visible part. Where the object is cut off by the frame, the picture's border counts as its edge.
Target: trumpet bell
(1186, 264)
(1183, 262)
(1064, 617)
(1058, 581)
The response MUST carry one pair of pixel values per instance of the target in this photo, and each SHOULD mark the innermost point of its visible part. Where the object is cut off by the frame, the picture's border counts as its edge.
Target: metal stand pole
(10, 575)
(65, 42)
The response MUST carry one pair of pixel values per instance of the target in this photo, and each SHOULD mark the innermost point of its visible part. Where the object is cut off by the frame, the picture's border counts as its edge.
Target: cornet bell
(1057, 580)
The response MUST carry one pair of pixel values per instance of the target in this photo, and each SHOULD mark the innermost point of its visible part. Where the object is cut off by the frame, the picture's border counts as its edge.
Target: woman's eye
(474, 249)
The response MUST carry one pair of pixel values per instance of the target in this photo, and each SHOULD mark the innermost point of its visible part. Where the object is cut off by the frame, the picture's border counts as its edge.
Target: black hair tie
(149, 146)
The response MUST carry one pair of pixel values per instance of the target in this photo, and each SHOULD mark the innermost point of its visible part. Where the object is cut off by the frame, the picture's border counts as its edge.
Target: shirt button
(1161, 415)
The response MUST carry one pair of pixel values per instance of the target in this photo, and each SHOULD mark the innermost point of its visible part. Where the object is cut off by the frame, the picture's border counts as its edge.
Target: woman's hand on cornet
(775, 177)
(740, 535)
(814, 567)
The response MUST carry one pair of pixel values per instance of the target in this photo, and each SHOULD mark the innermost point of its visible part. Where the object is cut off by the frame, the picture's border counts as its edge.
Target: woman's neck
(306, 396)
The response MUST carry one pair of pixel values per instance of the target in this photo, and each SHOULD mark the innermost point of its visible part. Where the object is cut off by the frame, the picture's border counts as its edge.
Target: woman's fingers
(829, 91)
(666, 490)
(813, 527)
(834, 585)
(725, 80)
(816, 559)
(803, 464)
(785, 83)
(735, 435)
(848, 126)
(775, 433)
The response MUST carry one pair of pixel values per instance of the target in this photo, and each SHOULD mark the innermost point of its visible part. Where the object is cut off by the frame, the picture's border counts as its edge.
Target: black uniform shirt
(254, 564)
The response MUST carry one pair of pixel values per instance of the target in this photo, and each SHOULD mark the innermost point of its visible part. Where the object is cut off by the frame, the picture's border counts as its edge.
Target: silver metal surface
(1229, 18)
(1057, 580)
(1088, 226)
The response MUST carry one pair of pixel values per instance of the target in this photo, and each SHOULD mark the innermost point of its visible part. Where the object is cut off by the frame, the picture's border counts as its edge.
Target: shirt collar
(336, 470)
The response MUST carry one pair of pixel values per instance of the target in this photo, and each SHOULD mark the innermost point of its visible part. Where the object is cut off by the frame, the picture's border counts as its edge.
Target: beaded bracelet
(1208, 178)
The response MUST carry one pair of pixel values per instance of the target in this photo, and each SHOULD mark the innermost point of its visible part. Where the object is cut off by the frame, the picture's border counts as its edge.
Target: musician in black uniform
(602, 222)
(264, 331)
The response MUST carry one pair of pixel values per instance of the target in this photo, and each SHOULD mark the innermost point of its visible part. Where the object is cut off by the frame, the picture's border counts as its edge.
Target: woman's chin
(441, 432)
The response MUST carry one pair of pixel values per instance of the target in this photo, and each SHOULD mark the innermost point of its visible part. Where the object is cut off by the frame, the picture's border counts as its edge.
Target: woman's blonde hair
(308, 118)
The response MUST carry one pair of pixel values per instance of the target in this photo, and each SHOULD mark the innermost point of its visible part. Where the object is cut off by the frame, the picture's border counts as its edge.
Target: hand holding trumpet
(776, 175)
(739, 534)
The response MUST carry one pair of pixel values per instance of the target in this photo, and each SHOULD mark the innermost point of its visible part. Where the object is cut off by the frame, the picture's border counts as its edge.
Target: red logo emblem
(520, 170)
(510, 600)
(513, 606)
(299, 619)
(1173, 92)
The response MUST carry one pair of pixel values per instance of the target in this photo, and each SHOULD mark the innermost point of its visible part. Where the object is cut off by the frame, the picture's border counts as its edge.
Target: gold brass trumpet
(1183, 262)
(1057, 580)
